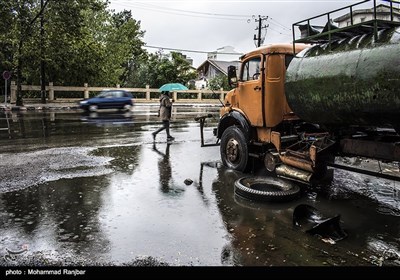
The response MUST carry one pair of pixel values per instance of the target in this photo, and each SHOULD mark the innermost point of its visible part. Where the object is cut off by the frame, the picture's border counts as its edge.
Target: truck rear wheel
(233, 149)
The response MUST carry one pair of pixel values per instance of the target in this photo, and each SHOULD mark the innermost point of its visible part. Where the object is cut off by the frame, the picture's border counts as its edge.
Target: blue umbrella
(172, 87)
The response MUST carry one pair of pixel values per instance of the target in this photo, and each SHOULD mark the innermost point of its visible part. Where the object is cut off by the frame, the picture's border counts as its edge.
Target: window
(109, 94)
(114, 93)
(251, 69)
(288, 59)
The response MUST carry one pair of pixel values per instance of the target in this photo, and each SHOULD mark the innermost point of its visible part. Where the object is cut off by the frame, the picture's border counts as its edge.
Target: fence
(140, 94)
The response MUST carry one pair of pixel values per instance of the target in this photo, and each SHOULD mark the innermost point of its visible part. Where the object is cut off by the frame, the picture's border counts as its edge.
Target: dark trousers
(165, 126)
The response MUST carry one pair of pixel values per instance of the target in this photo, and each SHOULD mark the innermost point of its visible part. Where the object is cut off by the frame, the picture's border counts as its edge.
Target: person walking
(164, 112)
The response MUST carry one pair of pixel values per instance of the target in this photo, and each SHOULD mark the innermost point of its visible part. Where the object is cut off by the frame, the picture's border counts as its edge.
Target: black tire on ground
(266, 189)
(233, 149)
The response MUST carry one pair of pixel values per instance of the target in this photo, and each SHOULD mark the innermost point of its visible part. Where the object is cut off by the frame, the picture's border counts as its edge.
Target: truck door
(250, 90)
(275, 100)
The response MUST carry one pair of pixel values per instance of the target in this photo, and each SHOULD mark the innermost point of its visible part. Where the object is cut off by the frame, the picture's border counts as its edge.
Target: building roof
(222, 66)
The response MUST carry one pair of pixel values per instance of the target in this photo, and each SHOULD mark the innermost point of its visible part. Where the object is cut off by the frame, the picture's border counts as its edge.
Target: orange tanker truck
(297, 106)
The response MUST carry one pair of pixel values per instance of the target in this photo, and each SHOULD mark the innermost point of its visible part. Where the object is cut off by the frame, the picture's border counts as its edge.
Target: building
(212, 68)
(226, 53)
(383, 12)
(188, 59)
(216, 64)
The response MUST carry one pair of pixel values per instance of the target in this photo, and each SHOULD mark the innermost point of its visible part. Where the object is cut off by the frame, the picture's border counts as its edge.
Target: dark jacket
(165, 107)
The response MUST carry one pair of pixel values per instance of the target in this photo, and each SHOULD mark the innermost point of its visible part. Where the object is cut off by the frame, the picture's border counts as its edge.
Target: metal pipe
(292, 172)
(364, 171)
(297, 162)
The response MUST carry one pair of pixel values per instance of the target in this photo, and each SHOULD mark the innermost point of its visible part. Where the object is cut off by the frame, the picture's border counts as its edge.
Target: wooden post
(199, 95)
(86, 91)
(221, 94)
(13, 96)
(147, 93)
(51, 91)
(118, 86)
(175, 96)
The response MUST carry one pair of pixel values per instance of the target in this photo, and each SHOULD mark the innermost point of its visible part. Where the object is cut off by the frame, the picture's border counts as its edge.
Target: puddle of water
(385, 192)
(108, 194)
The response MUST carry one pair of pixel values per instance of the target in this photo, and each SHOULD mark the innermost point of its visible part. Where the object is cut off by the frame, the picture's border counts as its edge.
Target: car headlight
(84, 102)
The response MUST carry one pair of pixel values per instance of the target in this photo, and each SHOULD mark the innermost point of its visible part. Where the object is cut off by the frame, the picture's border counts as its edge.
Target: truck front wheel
(233, 149)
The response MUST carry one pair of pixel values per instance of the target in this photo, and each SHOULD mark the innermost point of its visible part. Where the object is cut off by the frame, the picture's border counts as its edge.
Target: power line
(193, 51)
(238, 17)
(181, 12)
(281, 33)
(196, 12)
(240, 1)
(280, 24)
(187, 15)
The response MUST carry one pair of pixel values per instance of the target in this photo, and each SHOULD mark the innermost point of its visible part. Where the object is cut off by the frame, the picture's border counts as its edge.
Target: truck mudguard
(233, 118)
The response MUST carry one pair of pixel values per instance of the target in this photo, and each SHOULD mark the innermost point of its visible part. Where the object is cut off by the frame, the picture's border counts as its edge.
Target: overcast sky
(207, 25)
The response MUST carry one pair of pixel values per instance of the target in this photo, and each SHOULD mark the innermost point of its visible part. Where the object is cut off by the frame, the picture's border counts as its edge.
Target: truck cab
(256, 119)
(259, 92)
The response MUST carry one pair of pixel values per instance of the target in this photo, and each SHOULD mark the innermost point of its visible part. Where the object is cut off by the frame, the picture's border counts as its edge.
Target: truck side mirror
(232, 77)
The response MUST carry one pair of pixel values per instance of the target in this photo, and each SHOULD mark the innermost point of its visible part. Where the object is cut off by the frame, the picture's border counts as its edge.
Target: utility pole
(42, 73)
(259, 28)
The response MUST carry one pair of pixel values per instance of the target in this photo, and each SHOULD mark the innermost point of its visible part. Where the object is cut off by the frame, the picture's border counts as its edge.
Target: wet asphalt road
(94, 189)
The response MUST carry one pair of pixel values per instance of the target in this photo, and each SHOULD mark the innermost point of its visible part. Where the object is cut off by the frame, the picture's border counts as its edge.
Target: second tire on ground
(266, 189)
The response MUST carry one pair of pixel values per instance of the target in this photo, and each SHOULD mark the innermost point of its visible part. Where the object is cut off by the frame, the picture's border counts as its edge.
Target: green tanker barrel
(354, 82)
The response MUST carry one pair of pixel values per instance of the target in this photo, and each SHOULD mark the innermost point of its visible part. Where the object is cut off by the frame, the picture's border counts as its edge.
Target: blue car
(108, 99)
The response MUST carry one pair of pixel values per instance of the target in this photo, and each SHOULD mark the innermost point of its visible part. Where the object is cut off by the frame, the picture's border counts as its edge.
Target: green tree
(98, 50)
(84, 42)
(158, 69)
(25, 14)
(7, 38)
(124, 45)
(185, 71)
(218, 82)
(72, 55)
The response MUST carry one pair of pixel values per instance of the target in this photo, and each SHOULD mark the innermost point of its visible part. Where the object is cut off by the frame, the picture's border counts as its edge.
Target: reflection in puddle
(386, 192)
(383, 252)
(108, 118)
(119, 200)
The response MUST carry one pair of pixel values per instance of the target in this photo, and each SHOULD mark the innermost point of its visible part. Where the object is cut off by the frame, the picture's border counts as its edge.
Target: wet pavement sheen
(96, 188)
